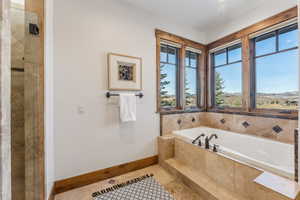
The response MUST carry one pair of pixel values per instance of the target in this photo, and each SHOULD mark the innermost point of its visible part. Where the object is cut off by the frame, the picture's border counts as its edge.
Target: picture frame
(124, 72)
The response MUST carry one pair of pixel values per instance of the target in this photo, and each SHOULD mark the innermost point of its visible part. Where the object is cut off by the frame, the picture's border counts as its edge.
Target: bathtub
(264, 154)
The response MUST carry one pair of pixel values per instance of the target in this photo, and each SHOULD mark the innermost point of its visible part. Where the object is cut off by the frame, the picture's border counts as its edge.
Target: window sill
(172, 112)
(257, 113)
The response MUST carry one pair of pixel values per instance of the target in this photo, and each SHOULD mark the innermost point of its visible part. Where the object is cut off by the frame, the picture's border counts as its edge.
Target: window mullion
(212, 81)
(199, 82)
(277, 41)
(227, 58)
(167, 54)
(181, 79)
(252, 76)
(246, 74)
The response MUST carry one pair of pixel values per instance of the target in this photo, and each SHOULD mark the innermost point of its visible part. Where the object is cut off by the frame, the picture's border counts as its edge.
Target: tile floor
(171, 184)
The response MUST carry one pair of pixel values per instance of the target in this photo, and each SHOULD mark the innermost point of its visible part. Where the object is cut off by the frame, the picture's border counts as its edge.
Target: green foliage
(219, 89)
(166, 100)
(188, 95)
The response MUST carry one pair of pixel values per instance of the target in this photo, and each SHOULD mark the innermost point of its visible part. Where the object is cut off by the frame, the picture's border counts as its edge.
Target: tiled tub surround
(217, 177)
(258, 126)
(173, 122)
(268, 155)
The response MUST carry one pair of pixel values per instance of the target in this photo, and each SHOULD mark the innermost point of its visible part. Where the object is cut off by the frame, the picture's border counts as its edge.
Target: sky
(276, 73)
(191, 76)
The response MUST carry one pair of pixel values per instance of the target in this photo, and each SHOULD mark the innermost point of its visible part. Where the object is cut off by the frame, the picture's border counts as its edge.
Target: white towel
(127, 107)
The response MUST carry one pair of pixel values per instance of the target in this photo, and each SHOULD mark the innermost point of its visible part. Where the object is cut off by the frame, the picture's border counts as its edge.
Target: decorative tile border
(254, 114)
(181, 112)
(257, 126)
(229, 112)
(277, 129)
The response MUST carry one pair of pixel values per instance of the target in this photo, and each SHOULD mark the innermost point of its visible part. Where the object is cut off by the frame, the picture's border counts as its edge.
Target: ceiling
(204, 14)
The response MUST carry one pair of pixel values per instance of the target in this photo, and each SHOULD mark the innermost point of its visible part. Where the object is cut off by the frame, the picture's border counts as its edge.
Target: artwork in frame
(124, 72)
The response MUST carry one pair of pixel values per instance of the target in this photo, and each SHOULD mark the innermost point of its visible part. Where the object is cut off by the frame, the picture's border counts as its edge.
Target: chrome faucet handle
(207, 143)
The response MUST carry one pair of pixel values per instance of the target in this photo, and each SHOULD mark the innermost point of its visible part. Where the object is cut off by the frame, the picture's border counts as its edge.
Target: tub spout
(206, 143)
(212, 136)
(208, 139)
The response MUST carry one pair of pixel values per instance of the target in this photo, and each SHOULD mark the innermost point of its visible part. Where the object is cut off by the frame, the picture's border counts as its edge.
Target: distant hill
(294, 93)
(284, 94)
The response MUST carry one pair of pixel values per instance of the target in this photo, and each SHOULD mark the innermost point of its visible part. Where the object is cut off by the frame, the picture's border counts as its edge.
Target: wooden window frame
(248, 69)
(165, 36)
(177, 66)
(244, 36)
(212, 76)
(198, 83)
(275, 33)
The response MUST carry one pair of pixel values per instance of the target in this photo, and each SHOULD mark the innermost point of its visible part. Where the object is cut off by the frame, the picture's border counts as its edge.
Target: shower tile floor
(170, 182)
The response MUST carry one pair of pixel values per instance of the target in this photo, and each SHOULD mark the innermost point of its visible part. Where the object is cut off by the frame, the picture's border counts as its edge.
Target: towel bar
(108, 95)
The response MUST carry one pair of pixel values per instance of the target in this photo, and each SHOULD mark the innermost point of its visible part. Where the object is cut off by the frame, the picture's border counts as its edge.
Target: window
(276, 69)
(191, 80)
(227, 77)
(179, 85)
(169, 68)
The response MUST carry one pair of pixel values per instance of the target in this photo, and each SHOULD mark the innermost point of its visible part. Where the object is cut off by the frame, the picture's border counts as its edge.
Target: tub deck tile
(202, 181)
(279, 184)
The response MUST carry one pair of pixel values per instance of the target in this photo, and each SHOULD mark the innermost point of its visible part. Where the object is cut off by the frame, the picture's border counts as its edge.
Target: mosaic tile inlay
(223, 121)
(277, 129)
(246, 124)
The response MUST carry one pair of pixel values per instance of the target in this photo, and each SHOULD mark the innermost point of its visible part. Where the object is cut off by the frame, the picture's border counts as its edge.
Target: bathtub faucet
(208, 139)
(198, 138)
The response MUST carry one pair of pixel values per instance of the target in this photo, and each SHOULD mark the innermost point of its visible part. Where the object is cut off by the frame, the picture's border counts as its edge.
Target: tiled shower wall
(18, 136)
(17, 102)
(253, 125)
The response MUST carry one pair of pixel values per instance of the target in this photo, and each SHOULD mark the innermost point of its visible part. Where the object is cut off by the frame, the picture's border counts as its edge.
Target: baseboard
(52, 194)
(93, 177)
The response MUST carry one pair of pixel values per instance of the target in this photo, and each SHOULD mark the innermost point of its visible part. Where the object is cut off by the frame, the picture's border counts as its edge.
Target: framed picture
(124, 72)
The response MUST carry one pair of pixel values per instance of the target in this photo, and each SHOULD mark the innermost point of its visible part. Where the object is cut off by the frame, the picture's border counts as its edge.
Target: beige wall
(259, 126)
